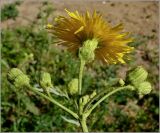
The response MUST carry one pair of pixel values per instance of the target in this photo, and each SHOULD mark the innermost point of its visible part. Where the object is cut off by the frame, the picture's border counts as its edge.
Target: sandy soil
(138, 17)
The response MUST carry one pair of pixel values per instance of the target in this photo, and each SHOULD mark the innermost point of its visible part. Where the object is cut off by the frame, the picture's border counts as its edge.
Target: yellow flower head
(78, 28)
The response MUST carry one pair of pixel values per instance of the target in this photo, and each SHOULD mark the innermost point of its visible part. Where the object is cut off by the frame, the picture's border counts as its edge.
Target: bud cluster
(85, 99)
(138, 77)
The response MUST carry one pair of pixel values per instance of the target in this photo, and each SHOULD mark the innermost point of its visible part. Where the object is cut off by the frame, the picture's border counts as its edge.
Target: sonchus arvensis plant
(89, 37)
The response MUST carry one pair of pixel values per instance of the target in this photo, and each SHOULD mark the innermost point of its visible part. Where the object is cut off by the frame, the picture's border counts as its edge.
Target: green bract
(87, 50)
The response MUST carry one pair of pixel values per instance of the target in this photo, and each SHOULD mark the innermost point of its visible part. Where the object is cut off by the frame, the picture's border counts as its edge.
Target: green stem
(106, 96)
(55, 102)
(48, 93)
(83, 119)
(96, 97)
(83, 124)
(82, 64)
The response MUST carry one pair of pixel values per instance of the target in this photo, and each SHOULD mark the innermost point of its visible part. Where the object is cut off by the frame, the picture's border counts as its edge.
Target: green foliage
(9, 11)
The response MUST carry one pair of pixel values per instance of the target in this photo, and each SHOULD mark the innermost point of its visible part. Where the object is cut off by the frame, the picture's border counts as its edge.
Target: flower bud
(45, 80)
(18, 78)
(121, 82)
(21, 80)
(85, 99)
(49, 26)
(80, 101)
(137, 76)
(13, 73)
(144, 88)
(93, 94)
(87, 50)
(73, 86)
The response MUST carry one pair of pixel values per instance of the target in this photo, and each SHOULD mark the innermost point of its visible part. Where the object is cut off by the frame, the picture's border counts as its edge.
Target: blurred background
(27, 45)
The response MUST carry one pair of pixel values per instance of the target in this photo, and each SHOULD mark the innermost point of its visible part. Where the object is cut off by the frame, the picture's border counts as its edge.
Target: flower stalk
(82, 64)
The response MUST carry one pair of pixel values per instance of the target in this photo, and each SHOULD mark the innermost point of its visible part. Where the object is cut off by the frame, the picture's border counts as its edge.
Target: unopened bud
(80, 101)
(45, 80)
(21, 80)
(18, 78)
(93, 94)
(13, 73)
(121, 82)
(137, 76)
(85, 99)
(73, 86)
(144, 88)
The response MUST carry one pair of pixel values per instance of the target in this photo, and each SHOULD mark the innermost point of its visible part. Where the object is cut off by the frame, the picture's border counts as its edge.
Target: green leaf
(75, 122)
(30, 106)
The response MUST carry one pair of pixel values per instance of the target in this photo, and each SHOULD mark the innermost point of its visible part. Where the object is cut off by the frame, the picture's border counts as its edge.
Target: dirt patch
(138, 17)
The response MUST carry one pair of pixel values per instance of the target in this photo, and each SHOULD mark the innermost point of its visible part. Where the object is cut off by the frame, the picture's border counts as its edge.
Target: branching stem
(83, 124)
(106, 96)
(55, 102)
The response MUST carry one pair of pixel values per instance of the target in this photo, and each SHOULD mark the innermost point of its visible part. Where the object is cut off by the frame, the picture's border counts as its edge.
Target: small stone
(103, 2)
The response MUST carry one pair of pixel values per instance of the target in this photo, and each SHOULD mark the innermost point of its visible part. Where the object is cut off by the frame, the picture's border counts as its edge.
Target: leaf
(112, 82)
(57, 91)
(4, 63)
(30, 106)
(75, 122)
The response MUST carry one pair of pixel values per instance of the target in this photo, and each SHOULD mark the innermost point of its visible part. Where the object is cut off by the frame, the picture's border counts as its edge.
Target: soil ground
(138, 17)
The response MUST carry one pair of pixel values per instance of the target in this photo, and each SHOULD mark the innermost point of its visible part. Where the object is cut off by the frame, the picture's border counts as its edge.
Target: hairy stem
(82, 118)
(87, 106)
(106, 96)
(55, 102)
(82, 63)
(83, 124)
